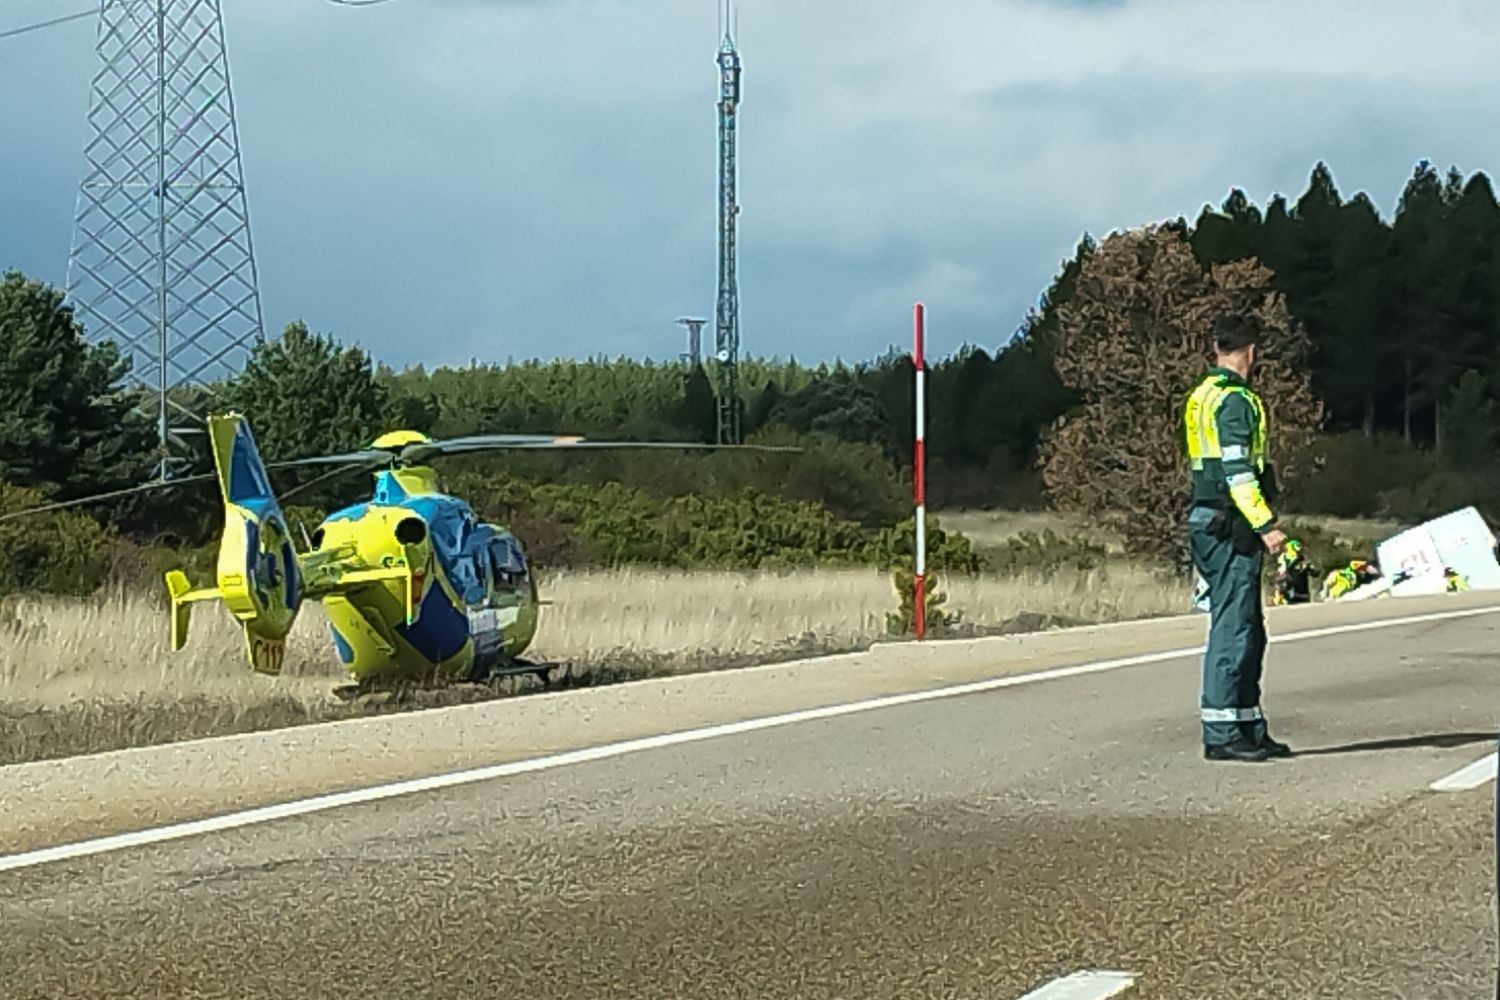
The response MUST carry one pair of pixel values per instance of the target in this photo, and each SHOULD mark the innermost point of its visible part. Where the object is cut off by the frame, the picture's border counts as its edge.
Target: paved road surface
(977, 846)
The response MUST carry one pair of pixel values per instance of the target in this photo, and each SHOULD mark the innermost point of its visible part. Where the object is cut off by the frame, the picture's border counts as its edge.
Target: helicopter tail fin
(259, 576)
(183, 597)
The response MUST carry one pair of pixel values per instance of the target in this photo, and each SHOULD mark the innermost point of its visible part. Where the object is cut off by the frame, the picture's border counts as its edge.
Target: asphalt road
(977, 846)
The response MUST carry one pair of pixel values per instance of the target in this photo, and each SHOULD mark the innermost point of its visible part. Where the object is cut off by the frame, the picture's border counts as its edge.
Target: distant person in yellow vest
(1346, 578)
(1293, 575)
(1231, 527)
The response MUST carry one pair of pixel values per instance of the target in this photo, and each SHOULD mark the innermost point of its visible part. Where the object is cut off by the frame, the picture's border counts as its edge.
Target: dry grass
(682, 618)
(85, 676)
(1352, 530)
(993, 528)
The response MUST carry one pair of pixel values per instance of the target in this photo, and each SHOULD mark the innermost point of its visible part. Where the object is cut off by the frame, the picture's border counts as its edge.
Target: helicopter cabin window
(506, 563)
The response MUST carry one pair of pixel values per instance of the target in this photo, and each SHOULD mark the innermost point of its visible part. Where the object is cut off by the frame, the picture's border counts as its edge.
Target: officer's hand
(1274, 539)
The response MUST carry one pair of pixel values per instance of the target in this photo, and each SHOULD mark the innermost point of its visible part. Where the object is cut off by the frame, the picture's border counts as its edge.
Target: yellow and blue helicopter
(415, 586)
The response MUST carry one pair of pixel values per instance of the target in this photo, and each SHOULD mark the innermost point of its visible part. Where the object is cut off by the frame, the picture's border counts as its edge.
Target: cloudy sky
(445, 179)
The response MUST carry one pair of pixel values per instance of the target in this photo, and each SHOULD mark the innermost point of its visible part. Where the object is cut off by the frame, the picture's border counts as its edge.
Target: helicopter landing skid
(353, 692)
(520, 668)
(500, 671)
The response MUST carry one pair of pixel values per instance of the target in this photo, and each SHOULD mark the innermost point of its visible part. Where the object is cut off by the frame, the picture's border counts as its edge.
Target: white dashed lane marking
(376, 793)
(1481, 772)
(1091, 985)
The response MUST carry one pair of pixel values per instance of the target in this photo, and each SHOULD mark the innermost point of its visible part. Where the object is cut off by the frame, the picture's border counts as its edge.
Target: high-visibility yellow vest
(1224, 430)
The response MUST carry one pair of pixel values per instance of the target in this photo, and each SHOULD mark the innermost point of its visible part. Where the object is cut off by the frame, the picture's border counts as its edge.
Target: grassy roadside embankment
(81, 676)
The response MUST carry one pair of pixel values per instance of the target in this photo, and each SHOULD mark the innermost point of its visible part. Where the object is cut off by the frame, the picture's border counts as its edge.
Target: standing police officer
(1230, 529)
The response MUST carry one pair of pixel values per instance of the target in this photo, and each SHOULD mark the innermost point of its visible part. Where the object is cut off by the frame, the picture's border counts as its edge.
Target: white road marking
(1084, 986)
(1481, 772)
(321, 803)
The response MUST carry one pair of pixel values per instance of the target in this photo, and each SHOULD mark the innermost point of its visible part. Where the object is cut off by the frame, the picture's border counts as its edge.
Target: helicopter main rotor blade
(675, 445)
(368, 456)
(412, 453)
(419, 450)
(546, 442)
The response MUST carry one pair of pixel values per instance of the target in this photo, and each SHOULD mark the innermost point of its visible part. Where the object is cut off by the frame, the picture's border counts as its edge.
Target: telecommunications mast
(727, 324)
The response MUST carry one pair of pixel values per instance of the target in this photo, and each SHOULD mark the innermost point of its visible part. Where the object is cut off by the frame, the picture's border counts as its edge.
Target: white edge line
(1481, 772)
(1090, 985)
(320, 803)
(874, 649)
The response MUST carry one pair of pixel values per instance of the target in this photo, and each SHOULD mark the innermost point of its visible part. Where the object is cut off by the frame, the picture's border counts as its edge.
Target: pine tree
(1355, 355)
(1473, 432)
(698, 412)
(1416, 277)
(66, 428)
(1467, 296)
(304, 395)
(1231, 233)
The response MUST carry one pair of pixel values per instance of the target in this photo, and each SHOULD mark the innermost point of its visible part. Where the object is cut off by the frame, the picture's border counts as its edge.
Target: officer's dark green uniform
(1225, 430)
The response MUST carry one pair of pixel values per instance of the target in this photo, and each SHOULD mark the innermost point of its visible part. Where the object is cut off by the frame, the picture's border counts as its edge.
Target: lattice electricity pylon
(162, 261)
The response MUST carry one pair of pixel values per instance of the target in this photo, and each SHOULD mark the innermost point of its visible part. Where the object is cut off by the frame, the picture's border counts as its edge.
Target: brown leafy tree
(1133, 341)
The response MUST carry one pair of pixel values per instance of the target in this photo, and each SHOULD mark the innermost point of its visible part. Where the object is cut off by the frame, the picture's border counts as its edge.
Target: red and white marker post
(919, 467)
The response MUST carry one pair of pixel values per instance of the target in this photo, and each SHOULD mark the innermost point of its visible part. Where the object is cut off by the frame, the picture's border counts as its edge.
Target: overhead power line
(39, 25)
(79, 15)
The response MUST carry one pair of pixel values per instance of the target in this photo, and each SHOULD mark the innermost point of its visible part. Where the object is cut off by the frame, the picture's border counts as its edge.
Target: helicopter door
(485, 628)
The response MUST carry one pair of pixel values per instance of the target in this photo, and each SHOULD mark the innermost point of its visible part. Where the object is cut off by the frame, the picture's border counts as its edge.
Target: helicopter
(417, 589)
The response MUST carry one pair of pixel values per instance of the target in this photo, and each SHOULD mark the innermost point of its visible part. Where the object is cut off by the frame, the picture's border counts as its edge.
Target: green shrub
(1356, 471)
(896, 546)
(894, 550)
(614, 523)
(61, 552)
(1384, 476)
(936, 617)
(1045, 554)
(1442, 491)
(579, 525)
(752, 530)
(854, 481)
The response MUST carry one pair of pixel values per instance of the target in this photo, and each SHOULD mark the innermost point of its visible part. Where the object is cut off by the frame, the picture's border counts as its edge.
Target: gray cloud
(441, 180)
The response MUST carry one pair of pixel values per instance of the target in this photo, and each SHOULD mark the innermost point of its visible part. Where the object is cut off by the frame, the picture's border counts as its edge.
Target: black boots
(1240, 748)
(1237, 749)
(1276, 748)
